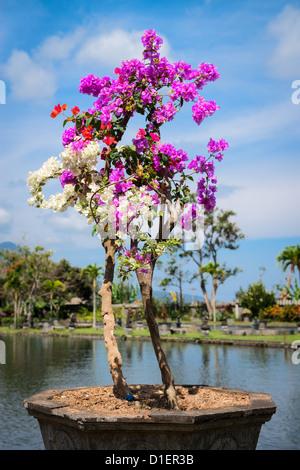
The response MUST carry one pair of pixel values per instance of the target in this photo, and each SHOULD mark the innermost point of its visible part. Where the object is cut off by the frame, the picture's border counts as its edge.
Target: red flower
(154, 137)
(110, 140)
(87, 133)
(104, 153)
(57, 110)
(141, 133)
(104, 126)
(75, 110)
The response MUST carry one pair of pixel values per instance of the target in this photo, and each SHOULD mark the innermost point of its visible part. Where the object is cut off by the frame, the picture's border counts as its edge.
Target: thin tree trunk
(15, 309)
(145, 283)
(94, 303)
(207, 302)
(203, 286)
(180, 292)
(291, 272)
(114, 356)
(213, 300)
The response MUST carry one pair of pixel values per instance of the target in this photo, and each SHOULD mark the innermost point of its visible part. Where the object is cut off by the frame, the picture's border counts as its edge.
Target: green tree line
(31, 283)
(35, 286)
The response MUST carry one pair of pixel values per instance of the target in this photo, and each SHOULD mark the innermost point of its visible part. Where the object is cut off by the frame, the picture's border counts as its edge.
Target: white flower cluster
(52, 168)
(75, 161)
(116, 214)
(61, 201)
(85, 159)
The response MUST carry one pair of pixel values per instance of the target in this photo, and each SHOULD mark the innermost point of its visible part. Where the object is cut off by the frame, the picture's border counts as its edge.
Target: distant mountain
(8, 246)
(186, 297)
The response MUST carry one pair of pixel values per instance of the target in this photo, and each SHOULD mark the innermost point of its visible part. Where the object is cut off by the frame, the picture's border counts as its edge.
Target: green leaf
(88, 121)
(139, 109)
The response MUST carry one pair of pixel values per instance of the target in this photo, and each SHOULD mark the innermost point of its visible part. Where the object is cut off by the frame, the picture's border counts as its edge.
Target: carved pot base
(65, 427)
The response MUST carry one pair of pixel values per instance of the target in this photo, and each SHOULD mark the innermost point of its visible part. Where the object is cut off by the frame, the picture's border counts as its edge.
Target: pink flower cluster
(190, 217)
(67, 177)
(206, 187)
(168, 161)
(116, 176)
(137, 255)
(206, 193)
(151, 43)
(202, 109)
(113, 96)
(215, 147)
(68, 136)
(136, 89)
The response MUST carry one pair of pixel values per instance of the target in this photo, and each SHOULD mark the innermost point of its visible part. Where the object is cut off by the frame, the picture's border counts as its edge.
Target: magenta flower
(67, 177)
(68, 136)
(202, 109)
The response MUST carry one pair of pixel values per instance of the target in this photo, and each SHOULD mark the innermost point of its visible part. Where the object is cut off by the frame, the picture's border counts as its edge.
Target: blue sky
(46, 47)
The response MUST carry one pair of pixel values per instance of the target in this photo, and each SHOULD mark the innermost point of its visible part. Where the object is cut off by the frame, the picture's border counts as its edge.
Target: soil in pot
(149, 398)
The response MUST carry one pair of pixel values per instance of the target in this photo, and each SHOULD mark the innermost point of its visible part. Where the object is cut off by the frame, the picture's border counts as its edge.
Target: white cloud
(4, 216)
(111, 48)
(249, 127)
(59, 47)
(28, 79)
(285, 60)
(35, 76)
(265, 205)
(71, 221)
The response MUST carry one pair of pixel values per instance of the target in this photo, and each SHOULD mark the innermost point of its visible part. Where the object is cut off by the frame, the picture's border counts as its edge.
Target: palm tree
(51, 286)
(94, 271)
(289, 257)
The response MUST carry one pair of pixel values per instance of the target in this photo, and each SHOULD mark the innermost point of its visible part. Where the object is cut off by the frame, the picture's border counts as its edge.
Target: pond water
(36, 363)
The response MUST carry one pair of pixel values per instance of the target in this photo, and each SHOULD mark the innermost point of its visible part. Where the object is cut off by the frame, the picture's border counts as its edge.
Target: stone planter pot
(64, 427)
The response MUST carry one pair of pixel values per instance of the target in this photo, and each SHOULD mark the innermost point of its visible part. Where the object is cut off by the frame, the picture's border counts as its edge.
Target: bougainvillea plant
(118, 181)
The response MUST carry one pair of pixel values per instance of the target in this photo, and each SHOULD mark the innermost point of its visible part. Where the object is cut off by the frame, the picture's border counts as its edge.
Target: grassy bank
(213, 337)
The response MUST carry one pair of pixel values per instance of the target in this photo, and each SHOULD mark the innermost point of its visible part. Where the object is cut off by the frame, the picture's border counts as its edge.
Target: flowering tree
(118, 187)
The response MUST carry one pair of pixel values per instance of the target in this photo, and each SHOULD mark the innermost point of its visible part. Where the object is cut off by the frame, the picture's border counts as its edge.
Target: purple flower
(68, 136)
(215, 146)
(146, 97)
(91, 85)
(165, 113)
(141, 144)
(206, 195)
(78, 145)
(202, 109)
(186, 91)
(166, 159)
(151, 43)
(116, 176)
(67, 177)
(199, 164)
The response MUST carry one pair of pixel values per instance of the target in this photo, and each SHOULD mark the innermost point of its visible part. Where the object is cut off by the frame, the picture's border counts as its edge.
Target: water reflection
(34, 364)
